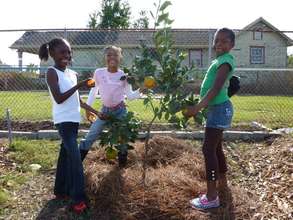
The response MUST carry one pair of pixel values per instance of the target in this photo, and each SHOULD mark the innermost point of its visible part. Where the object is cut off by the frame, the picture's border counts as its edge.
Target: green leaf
(163, 17)
(165, 5)
(126, 70)
(169, 21)
(156, 110)
(153, 17)
(146, 101)
(167, 115)
(160, 114)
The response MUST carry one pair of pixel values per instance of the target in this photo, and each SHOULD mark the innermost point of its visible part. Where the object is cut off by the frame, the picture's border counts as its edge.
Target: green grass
(26, 152)
(26, 105)
(4, 196)
(272, 111)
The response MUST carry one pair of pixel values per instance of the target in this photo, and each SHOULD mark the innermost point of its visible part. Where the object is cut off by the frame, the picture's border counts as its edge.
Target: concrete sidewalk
(196, 135)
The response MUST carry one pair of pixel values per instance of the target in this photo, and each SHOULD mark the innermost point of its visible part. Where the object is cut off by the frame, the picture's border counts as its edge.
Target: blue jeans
(97, 127)
(69, 174)
(220, 116)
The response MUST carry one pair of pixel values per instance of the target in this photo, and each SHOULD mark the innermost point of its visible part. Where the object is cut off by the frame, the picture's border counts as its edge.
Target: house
(258, 45)
(261, 45)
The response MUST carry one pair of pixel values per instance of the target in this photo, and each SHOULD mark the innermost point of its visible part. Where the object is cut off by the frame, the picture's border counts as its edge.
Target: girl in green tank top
(214, 96)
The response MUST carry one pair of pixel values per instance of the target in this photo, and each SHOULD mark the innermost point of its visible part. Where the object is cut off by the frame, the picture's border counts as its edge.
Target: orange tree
(119, 134)
(160, 68)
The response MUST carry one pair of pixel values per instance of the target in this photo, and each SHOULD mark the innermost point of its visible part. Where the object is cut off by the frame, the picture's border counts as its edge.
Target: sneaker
(79, 207)
(122, 159)
(202, 202)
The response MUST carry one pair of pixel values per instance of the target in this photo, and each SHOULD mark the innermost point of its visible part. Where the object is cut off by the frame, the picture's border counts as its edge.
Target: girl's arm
(52, 81)
(87, 107)
(131, 95)
(222, 74)
(92, 95)
(90, 111)
(90, 100)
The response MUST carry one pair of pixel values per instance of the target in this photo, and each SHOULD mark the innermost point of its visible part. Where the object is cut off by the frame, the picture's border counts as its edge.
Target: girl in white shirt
(63, 89)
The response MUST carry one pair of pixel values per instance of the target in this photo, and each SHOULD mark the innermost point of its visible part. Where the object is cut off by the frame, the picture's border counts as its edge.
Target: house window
(195, 57)
(257, 35)
(257, 55)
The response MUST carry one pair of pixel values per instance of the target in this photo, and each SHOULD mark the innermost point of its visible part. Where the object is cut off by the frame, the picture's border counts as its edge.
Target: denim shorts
(220, 115)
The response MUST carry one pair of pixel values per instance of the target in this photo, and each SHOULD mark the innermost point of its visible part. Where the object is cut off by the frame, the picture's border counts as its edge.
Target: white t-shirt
(69, 110)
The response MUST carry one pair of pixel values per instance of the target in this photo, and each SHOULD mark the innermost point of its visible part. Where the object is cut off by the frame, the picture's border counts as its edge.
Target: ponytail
(45, 49)
(44, 52)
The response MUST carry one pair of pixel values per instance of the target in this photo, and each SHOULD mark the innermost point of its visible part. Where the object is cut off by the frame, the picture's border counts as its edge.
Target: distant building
(258, 45)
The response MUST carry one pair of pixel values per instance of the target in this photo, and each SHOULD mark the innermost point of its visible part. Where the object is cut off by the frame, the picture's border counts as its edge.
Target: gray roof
(30, 41)
(262, 21)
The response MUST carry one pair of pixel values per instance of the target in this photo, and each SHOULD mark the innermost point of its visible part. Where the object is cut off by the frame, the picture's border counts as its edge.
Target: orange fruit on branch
(149, 82)
(90, 83)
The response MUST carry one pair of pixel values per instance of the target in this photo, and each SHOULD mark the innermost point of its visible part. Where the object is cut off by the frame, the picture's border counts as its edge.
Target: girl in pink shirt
(112, 91)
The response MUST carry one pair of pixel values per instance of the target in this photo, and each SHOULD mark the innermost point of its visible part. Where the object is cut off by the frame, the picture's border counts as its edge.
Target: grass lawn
(272, 111)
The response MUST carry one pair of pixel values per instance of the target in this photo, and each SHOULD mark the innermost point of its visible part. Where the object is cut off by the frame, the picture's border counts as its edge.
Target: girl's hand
(89, 83)
(91, 117)
(102, 116)
(143, 89)
(191, 111)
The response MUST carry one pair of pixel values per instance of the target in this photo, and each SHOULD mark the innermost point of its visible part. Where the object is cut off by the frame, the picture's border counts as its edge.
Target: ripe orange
(90, 83)
(149, 82)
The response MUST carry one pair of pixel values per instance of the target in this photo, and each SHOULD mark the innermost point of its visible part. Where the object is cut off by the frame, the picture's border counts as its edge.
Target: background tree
(93, 20)
(115, 14)
(142, 22)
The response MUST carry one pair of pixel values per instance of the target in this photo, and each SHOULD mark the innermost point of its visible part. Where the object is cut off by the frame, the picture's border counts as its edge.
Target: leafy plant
(120, 131)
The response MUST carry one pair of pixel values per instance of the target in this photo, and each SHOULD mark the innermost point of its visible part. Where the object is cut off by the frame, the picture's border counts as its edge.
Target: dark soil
(48, 125)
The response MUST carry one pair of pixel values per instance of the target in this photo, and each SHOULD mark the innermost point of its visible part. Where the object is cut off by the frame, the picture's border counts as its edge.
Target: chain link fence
(266, 81)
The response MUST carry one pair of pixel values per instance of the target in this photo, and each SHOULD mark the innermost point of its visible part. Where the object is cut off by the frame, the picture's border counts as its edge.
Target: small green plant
(120, 133)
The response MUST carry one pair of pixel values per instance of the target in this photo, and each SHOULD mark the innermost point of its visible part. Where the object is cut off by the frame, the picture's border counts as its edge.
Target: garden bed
(260, 180)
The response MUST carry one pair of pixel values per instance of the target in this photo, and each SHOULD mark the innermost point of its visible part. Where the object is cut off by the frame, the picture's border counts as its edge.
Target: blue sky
(18, 14)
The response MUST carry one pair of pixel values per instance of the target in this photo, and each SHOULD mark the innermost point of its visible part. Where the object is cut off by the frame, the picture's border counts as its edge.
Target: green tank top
(210, 77)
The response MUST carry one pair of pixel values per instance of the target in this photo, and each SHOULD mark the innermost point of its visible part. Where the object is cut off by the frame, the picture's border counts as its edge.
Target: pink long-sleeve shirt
(111, 89)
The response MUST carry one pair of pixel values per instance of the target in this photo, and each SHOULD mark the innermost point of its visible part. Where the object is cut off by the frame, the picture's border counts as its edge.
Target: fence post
(8, 118)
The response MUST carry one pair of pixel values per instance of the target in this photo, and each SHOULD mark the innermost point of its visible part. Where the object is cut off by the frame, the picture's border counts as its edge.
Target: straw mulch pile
(268, 174)
(175, 174)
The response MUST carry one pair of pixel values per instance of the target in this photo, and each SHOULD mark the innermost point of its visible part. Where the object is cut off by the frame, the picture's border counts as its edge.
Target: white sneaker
(202, 202)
